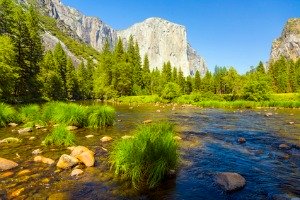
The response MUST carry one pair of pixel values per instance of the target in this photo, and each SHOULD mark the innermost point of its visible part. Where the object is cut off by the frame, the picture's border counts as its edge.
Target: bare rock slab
(66, 161)
(230, 181)
(7, 164)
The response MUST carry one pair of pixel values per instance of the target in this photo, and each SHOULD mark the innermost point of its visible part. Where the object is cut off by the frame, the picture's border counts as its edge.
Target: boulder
(268, 114)
(106, 139)
(230, 181)
(241, 140)
(10, 140)
(78, 150)
(12, 124)
(76, 172)
(66, 161)
(72, 128)
(148, 121)
(43, 159)
(284, 146)
(7, 164)
(25, 130)
(87, 158)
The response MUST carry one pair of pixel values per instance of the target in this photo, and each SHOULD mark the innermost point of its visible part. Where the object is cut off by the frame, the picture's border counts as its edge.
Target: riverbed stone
(87, 158)
(59, 196)
(10, 140)
(12, 124)
(106, 139)
(158, 111)
(23, 172)
(284, 146)
(268, 114)
(43, 159)
(17, 192)
(66, 161)
(127, 137)
(6, 174)
(37, 151)
(241, 140)
(72, 128)
(230, 181)
(291, 123)
(32, 138)
(148, 121)
(37, 126)
(89, 136)
(76, 172)
(7, 164)
(25, 130)
(78, 150)
(177, 138)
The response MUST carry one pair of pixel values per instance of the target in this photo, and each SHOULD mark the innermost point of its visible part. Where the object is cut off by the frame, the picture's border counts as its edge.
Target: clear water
(209, 146)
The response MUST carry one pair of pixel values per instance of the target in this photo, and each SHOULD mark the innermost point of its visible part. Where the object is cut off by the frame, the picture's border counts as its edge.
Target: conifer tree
(146, 74)
(197, 81)
(60, 60)
(181, 80)
(71, 81)
(7, 13)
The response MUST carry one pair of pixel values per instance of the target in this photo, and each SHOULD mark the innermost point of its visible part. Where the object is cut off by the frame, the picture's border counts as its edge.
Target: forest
(28, 73)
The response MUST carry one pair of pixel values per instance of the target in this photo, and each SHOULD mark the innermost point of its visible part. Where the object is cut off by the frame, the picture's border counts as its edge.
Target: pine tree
(71, 81)
(90, 69)
(60, 59)
(181, 80)
(146, 75)
(197, 81)
(207, 82)
(174, 75)
(82, 77)
(292, 77)
(7, 21)
(260, 68)
(188, 85)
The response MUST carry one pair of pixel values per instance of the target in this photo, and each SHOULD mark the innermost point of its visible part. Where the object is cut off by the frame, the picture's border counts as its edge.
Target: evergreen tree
(207, 82)
(7, 21)
(82, 77)
(155, 81)
(181, 80)
(146, 75)
(60, 60)
(71, 81)
(90, 69)
(260, 68)
(197, 81)
(188, 85)
(174, 74)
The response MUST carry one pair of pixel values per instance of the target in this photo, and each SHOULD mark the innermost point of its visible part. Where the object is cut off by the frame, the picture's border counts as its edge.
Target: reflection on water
(209, 146)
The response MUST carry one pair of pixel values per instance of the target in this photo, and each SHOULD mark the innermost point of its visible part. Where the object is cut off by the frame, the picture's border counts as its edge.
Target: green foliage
(171, 91)
(30, 115)
(60, 136)
(256, 91)
(99, 116)
(146, 158)
(7, 114)
(140, 99)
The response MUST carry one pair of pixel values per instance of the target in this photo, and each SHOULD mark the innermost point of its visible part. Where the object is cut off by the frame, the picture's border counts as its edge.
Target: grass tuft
(30, 115)
(7, 114)
(60, 136)
(98, 116)
(146, 158)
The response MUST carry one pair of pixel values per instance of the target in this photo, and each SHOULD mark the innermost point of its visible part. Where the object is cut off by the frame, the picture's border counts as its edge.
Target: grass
(60, 136)
(7, 114)
(146, 158)
(98, 116)
(30, 115)
(140, 99)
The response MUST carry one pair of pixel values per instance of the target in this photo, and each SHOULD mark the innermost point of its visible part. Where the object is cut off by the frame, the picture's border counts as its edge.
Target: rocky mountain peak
(288, 44)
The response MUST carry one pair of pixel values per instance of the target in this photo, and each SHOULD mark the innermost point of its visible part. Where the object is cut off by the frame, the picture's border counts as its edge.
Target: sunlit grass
(60, 136)
(30, 115)
(7, 114)
(146, 158)
(98, 116)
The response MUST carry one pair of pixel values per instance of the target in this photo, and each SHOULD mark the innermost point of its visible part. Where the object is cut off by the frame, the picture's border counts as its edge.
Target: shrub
(98, 116)
(146, 158)
(171, 91)
(256, 91)
(60, 136)
(7, 114)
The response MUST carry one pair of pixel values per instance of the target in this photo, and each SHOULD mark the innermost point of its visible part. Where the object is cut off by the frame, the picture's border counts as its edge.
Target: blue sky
(235, 33)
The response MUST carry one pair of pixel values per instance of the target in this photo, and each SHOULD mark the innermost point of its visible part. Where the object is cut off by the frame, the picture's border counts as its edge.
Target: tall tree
(7, 21)
(146, 74)
(60, 59)
(197, 81)
(71, 81)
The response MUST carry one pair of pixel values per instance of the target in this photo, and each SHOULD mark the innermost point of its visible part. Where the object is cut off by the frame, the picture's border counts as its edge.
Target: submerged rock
(127, 137)
(230, 181)
(84, 155)
(3, 194)
(268, 114)
(37, 151)
(7, 164)
(6, 174)
(76, 172)
(148, 121)
(89, 136)
(106, 139)
(72, 128)
(17, 192)
(23, 172)
(284, 146)
(66, 161)
(241, 140)
(10, 140)
(25, 130)
(12, 124)
(43, 159)
(177, 138)
(32, 138)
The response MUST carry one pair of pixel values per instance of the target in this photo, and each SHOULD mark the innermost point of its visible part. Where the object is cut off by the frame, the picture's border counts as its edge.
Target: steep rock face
(162, 40)
(288, 44)
(165, 41)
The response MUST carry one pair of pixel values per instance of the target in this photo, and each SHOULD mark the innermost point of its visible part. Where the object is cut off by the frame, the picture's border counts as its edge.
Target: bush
(171, 91)
(7, 114)
(146, 158)
(60, 136)
(98, 116)
(256, 91)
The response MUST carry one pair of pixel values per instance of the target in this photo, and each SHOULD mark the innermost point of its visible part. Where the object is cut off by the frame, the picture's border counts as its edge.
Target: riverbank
(289, 100)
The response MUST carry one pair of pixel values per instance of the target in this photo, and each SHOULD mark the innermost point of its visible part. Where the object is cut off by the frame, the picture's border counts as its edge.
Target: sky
(236, 33)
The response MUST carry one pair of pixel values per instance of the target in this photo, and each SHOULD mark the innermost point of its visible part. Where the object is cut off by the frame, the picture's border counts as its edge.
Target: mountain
(288, 44)
(162, 40)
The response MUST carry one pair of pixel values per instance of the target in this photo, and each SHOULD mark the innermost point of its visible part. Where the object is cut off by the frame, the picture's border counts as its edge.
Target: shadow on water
(209, 145)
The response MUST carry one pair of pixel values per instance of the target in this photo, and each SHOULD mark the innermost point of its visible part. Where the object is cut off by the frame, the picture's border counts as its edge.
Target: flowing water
(208, 146)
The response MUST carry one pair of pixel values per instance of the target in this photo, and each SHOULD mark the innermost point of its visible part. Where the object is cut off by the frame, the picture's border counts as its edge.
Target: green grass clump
(65, 113)
(98, 116)
(60, 136)
(30, 115)
(146, 158)
(7, 114)
(140, 99)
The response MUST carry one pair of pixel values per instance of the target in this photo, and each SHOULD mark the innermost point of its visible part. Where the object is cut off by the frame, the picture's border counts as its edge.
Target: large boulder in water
(7, 164)
(66, 161)
(84, 155)
(230, 181)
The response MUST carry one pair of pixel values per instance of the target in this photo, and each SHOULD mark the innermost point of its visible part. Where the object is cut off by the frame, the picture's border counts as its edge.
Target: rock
(230, 181)
(10, 140)
(76, 172)
(87, 158)
(12, 124)
(46, 180)
(37, 126)
(17, 193)
(284, 146)
(119, 120)
(106, 139)
(25, 130)
(43, 159)
(71, 148)
(66, 161)
(78, 150)
(23, 172)
(158, 111)
(130, 108)
(268, 114)
(3, 194)
(59, 196)
(72, 128)
(148, 121)
(177, 138)
(37, 151)
(291, 123)
(32, 138)
(127, 137)
(89, 136)
(241, 140)
(6, 174)
(7, 164)
(172, 173)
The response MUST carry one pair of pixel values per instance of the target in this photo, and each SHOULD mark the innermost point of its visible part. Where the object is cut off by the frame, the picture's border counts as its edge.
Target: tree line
(28, 73)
